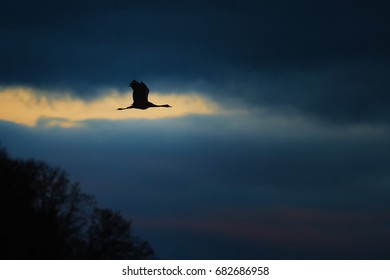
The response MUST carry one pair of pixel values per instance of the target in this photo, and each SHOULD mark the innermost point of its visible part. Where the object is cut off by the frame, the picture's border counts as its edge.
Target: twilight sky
(276, 145)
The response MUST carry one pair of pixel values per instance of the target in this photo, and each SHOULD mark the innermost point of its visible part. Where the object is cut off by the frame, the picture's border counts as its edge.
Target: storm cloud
(325, 59)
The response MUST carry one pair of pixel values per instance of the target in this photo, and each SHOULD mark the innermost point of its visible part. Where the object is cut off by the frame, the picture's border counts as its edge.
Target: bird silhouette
(140, 97)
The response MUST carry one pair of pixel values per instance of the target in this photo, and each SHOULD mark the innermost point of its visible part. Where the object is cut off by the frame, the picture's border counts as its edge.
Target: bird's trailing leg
(124, 108)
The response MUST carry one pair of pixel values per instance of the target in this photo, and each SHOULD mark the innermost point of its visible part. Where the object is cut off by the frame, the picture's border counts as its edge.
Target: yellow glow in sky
(27, 106)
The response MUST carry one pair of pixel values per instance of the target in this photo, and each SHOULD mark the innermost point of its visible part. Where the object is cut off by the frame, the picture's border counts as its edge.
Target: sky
(276, 145)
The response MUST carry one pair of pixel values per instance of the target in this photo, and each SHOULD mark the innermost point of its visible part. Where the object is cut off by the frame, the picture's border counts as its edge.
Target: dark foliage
(45, 216)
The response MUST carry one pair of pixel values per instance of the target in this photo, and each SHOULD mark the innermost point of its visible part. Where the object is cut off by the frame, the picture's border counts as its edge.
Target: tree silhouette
(110, 235)
(45, 216)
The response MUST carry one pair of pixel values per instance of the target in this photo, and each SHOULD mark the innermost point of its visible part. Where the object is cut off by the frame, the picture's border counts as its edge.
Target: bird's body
(140, 97)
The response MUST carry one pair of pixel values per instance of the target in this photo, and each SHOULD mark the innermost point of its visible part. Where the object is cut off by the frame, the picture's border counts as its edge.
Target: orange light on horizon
(27, 106)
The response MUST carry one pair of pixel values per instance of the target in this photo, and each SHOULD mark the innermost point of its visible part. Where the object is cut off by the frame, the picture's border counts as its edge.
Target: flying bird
(140, 97)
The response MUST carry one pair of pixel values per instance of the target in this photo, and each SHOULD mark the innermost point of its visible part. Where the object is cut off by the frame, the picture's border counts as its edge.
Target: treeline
(45, 216)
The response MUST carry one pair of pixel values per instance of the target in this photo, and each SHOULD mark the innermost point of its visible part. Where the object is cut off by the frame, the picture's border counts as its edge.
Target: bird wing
(145, 89)
(140, 93)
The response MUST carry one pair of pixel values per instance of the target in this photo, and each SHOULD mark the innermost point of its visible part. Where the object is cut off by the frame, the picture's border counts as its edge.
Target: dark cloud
(325, 59)
(103, 43)
(337, 92)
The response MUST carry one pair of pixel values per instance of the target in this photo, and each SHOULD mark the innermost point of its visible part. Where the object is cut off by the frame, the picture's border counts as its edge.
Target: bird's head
(167, 106)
